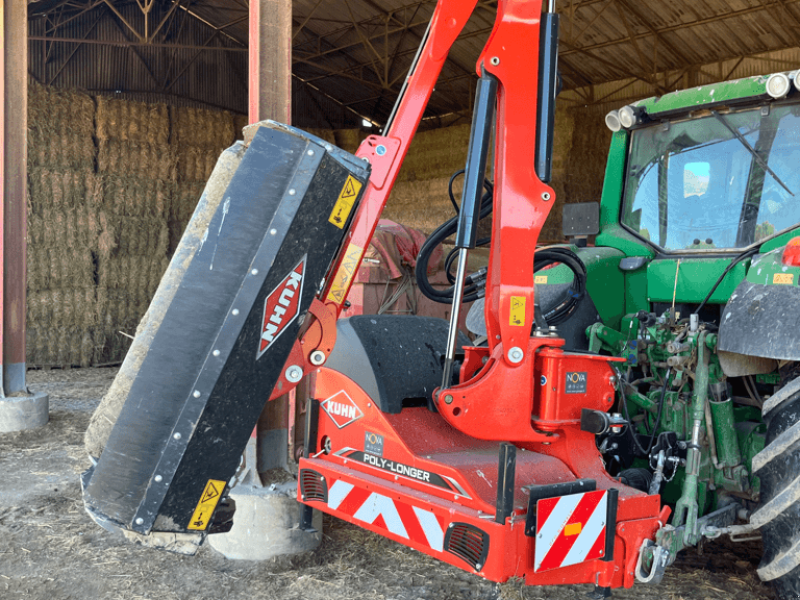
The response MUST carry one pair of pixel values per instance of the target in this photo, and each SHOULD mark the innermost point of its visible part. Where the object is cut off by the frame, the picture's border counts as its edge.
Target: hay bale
(53, 110)
(349, 139)
(61, 267)
(67, 307)
(136, 159)
(63, 346)
(132, 121)
(196, 164)
(136, 196)
(116, 344)
(60, 149)
(75, 227)
(187, 196)
(132, 236)
(138, 276)
(325, 134)
(239, 123)
(202, 128)
(62, 190)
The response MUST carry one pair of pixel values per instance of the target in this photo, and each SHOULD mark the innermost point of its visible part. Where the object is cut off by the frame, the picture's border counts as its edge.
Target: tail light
(791, 254)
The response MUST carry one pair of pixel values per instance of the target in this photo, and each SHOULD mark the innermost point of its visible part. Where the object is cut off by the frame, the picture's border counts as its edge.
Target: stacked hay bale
(137, 170)
(62, 230)
(420, 198)
(198, 138)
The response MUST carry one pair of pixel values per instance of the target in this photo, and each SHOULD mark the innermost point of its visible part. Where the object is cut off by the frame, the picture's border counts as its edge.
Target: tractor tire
(778, 514)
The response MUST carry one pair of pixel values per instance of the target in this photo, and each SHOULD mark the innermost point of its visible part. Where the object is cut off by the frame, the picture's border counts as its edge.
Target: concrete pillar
(19, 409)
(267, 515)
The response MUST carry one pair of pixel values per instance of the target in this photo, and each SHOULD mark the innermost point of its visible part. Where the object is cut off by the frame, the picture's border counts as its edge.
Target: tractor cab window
(723, 180)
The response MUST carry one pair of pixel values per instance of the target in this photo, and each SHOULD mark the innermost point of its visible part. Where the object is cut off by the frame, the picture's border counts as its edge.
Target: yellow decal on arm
(207, 504)
(345, 273)
(344, 204)
(783, 278)
(517, 313)
(540, 279)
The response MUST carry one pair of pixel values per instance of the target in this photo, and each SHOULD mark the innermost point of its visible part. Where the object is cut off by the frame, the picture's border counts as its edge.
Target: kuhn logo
(281, 307)
(341, 409)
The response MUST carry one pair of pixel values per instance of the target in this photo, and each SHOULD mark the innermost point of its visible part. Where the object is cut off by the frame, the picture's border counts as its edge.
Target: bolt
(448, 399)
(317, 357)
(546, 196)
(380, 150)
(294, 374)
(494, 61)
(612, 380)
(310, 153)
(215, 353)
(196, 393)
(516, 354)
(292, 192)
(140, 521)
(235, 312)
(177, 436)
(273, 231)
(254, 272)
(158, 478)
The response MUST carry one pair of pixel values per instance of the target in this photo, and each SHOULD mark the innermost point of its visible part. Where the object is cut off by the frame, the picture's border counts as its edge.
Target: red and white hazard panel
(570, 530)
(404, 520)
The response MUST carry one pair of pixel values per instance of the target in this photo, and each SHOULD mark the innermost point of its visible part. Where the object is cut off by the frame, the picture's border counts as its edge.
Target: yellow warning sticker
(540, 279)
(207, 504)
(344, 204)
(572, 529)
(783, 278)
(517, 316)
(345, 273)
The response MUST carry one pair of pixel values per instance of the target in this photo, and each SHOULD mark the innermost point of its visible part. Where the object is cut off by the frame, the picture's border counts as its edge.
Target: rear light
(791, 254)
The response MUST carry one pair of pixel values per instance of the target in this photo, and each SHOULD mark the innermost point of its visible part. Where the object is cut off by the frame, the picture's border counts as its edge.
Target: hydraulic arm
(496, 474)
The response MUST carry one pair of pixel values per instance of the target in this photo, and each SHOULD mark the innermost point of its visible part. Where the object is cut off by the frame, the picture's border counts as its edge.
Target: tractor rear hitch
(653, 561)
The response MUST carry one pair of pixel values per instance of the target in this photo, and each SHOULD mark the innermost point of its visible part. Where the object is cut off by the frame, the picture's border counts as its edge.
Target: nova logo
(281, 307)
(341, 409)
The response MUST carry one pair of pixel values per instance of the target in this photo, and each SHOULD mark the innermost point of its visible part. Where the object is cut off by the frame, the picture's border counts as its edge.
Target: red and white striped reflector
(570, 530)
(403, 520)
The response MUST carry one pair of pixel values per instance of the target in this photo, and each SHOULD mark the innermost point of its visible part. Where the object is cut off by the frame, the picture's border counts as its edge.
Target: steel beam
(270, 86)
(18, 408)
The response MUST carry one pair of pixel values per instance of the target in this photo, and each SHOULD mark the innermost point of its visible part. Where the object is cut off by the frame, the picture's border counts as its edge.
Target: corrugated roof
(355, 53)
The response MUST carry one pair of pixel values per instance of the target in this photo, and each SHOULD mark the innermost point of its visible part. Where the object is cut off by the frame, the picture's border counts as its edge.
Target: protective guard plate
(208, 372)
(762, 320)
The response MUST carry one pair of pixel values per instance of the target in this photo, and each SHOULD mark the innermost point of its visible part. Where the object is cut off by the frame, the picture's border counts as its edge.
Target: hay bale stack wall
(111, 185)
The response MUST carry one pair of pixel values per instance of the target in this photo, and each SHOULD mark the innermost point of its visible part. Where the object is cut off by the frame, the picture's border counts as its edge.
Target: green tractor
(694, 276)
(693, 281)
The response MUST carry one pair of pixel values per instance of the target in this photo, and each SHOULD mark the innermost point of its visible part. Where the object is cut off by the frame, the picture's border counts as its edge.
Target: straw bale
(325, 134)
(239, 123)
(132, 121)
(349, 139)
(54, 268)
(202, 128)
(186, 199)
(138, 276)
(116, 344)
(137, 196)
(137, 236)
(196, 164)
(61, 190)
(64, 346)
(118, 307)
(60, 149)
(67, 307)
(72, 228)
(136, 159)
(54, 110)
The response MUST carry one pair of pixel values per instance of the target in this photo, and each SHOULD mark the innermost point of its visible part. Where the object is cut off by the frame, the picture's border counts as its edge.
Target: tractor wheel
(778, 515)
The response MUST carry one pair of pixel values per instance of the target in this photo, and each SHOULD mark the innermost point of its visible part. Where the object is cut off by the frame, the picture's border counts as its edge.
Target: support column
(19, 409)
(267, 515)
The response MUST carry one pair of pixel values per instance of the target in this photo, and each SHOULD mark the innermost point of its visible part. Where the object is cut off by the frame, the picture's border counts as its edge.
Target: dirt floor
(51, 550)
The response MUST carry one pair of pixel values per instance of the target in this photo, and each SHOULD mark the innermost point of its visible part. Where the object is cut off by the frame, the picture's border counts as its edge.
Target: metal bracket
(659, 558)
